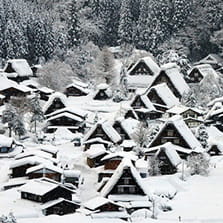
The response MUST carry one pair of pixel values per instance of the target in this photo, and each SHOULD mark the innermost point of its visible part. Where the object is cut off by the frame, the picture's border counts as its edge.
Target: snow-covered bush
(198, 164)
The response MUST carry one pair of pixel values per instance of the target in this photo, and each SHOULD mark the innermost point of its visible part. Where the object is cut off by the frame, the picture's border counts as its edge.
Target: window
(163, 140)
(132, 190)
(120, 189)
(176, 141)
(170, 132)
(126, 181)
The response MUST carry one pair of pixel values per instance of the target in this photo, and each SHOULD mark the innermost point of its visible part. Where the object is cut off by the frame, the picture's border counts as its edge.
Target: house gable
(141, 68)
(55, 105)
(121, 131)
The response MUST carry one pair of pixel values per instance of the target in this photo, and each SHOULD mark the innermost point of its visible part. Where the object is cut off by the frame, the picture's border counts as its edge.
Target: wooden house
(45, 170)
(100, 207)
(65, 119)
(44, 190)
(103, 130)
(94, 155)
(87, 144)
(60, 207)
(181, 151)
(198, 72)
(18, 70)
(168, 159)
(146, 114)
(56, 101)
(193, 117)
(77, 88)
(212, 59)
(162, 97)
(170, 74)
(45, 93)
(176, 131)
(103, 92)
(141, 74)
(19, 167)
(72, 177)
(112, 160)
(125, 184)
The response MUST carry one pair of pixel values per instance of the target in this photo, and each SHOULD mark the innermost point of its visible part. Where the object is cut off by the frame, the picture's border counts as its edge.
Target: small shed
(75, 89)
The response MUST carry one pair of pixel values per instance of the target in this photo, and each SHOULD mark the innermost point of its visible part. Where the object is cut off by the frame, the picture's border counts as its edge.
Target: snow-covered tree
(140, 136)
(8, 219)
(198, 164)
(202, 136)
(36, 110)
(189, 99)
(73, 24)
(125, 30)
(154, 166)
(55, 75)
(153, 132)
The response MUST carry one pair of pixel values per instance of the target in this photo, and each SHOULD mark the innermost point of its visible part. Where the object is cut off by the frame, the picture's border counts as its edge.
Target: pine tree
(37, 113)
(125, 30)
(73, 25)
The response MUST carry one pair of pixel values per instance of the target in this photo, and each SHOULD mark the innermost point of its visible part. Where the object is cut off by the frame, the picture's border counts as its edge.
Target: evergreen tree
(73, 24)
(154, 166)
(202, 136)
(126, 23)
(37, 113)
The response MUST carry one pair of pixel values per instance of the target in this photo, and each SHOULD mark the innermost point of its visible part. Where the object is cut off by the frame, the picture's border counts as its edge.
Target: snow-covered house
(69, 120)
(100, 207)
(103, 130)
(162, 97)
(125, 185)
(215, 149)
(103, 92)
(9, 88)
(182, 151)
(193, 117)
(44, 190)
(168, 159)
(45, 93)
(94, 155)
(176, 131)
(18, 70)
(87, 144)
(214, 60)
(198, 72)
(56, 101)
(142, 73)
(60, 207)
(73, 177)
(170, 74)
(45, 170)
(76, 88)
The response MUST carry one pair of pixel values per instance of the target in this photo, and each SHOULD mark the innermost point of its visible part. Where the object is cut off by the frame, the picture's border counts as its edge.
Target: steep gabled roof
(58, 95)
(166, 95)
(179, 109)
(181, 127)
(107, 128)
(125, 164)
(148, 104)
(67, 115)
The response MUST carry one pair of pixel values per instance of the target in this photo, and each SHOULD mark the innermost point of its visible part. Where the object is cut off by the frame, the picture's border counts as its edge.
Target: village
(90, 153)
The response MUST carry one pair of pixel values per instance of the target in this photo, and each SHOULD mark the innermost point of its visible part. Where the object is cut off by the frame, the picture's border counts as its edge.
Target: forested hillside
(40, 30)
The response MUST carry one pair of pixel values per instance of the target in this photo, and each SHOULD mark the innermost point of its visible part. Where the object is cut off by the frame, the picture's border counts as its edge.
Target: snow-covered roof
(79, 87)
(129, 155)
(205, 69)
(173, 72)
(97, 202)
(95, 150)
(75, 111)
(108, 129)
(2, 96)
(20, 66)
(5, 83)
(67, 115)
(153, 66)
(34, 160)
(72, 173)
(58, 95)
(126, 163)
(46, 90)
(168, 145)
(183, 130)
(164, 92)
(102, 86)
(31, 153)
(179, 109)
(5, 141)
(97, 140)
(128, 143)
(211, 59)
(171, 154)
(57, 201)
(49, 148)
(63, 133)
(47, 166)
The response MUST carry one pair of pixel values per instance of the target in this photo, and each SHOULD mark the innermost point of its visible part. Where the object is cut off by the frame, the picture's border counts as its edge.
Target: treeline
(41, 30)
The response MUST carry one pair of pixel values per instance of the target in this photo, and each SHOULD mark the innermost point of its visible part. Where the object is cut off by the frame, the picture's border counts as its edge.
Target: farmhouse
(103, 92)
(76, 88)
